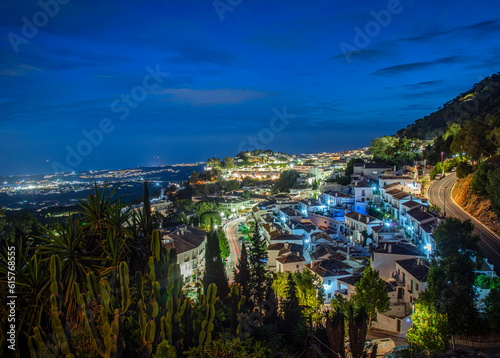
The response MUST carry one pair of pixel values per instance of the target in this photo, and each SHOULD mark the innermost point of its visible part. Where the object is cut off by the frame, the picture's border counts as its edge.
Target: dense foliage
(451, 279)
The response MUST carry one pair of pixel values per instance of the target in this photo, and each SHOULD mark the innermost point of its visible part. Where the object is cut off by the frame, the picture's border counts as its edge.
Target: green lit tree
(228, 162)
(479, 181)
(492, 307)
(371, 293)
(429, 331)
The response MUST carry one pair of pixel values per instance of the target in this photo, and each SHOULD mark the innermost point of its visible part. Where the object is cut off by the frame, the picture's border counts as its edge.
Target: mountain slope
(478, 102)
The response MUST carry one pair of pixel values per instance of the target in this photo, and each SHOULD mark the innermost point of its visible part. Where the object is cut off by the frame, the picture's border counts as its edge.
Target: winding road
(439, 194)
(231, 229)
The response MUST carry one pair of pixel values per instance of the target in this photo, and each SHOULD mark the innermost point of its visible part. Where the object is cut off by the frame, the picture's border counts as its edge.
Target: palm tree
(436, 208)
(95, 211)
(68, 241)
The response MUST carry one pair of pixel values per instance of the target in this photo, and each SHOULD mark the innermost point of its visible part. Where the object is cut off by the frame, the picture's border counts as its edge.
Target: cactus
(237, 300)
(110, 342)
(161, 311)
(61, 343)
(148, 311)
(207, 325)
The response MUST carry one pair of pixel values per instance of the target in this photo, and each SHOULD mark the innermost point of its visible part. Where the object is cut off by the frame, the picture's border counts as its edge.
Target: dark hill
(477, 103)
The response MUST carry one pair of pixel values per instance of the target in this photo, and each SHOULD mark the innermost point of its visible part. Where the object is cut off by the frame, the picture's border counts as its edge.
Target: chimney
(359, 217)
(367, 220)
(389, 250)
(287, 245)
(182, 231)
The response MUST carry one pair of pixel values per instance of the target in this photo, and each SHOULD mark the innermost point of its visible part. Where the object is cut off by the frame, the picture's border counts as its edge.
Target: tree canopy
(371, 292)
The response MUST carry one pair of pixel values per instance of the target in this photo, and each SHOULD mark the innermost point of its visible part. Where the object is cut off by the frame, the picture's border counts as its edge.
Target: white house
(384, 257)
(189, 243)
(329, 271)
(356, 223)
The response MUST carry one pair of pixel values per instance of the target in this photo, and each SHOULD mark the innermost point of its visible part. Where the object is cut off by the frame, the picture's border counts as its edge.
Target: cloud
(365, 55)
(18, 70)
(405, 67)
(480, 28)
(212, 96)
(422, 84)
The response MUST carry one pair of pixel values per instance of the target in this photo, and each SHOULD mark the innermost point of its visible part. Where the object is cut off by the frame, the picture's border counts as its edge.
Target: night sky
(163, 82)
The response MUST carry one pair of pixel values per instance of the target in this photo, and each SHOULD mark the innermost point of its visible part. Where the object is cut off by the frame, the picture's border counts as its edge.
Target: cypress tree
(290, 305)
(242, 272)
(260, 281)
(214, 268)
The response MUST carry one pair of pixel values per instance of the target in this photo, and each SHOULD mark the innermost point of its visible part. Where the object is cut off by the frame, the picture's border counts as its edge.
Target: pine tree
(259, 278)
(290, 305)
(242, 272)
(214, 268)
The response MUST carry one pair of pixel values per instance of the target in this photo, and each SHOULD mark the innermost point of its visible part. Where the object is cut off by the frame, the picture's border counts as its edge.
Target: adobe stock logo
(223, 6)
(120, 106)
(30, 27)
(266, 135)
(363, 37)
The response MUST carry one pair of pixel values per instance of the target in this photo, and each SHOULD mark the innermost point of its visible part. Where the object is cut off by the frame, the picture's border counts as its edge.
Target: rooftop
(397, 248)
(290, 259)
(350, 280)
(326, 268)
(420, 214)
(185, 238)
(417, 267)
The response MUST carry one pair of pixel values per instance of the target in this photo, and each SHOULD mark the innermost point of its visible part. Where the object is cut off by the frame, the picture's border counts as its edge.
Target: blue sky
(233, 66)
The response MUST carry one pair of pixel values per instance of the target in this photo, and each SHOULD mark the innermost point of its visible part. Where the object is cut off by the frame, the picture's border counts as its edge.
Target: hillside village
(381, 218)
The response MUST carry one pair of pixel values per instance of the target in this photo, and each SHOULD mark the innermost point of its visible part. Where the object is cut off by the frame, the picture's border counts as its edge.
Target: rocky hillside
(474, 205)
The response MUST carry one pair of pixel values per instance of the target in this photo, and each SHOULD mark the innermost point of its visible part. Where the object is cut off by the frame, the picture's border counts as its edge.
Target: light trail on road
(440, 193)
(235, 253)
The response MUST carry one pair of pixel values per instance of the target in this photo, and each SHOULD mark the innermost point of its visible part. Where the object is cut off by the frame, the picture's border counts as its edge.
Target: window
(375, 172)
(329, 282)
(416, 287)
(329, 295)
(297, 266)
